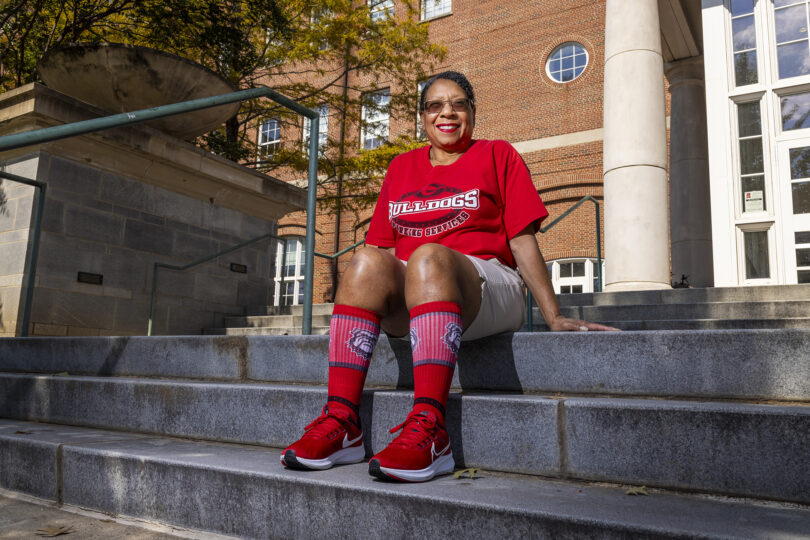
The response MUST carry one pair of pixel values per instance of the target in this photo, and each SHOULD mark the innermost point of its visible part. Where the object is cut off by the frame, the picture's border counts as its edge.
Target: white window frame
(586, 281)
(772, 252)
(420, 129)
(433, 9)
(767, 167)
(549, 73)
(268, 147)
(323, 128)
(729, 49)
(296, 278)
(380, 9)
(375, 119)
(798, 245)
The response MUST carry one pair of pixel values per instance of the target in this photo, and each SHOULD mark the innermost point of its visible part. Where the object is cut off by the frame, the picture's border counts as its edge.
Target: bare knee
(430, 262)
(371, 280)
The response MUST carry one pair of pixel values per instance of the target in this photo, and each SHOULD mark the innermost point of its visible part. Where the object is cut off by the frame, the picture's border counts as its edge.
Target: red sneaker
(334, 438)
(421, 451)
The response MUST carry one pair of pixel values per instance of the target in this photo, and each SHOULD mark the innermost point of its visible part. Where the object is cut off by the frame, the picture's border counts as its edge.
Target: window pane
(579, 269)
(745, 68)
(782, 3)
(799, 163)
(795, 111)
(756, 255)
(375, 117)
(565, 289)
(381, 9)
(739, 7)
(751, 156)
(748, 118)
(567, 62)
(791, 23)
(801, 197)
(744, 33)
(803, 257)
(802, 237)
(434, 8)
(804, 276)
(794, 59)
(753, 192)
(566, 270)
(576, 289)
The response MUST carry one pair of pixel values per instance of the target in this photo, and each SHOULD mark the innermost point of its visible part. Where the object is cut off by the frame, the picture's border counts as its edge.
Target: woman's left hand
(564, 324)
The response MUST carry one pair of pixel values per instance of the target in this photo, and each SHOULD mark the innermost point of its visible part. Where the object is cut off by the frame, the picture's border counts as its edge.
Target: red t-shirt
(475, 205)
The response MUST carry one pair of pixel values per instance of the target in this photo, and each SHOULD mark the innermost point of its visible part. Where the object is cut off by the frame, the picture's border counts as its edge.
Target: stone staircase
(674, 309)
(187, 431)
(782, 306)
(274, 321)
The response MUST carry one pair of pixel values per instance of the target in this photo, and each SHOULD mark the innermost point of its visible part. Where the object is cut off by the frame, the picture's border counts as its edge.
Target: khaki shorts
(503, 300)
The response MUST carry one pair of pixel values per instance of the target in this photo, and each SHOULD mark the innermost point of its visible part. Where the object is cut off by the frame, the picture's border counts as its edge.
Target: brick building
(537, 71)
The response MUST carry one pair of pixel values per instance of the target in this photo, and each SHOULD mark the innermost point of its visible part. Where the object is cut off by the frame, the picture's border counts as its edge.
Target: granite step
(714, 310)
(243, 491)
(734, 448)
(259, 311)
(673, 309)
(711, 364)
(264, 331)
(770, 293)
(275, 321)
(688, 324)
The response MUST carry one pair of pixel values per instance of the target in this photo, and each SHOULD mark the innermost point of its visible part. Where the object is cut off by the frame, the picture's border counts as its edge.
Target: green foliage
(302, 48)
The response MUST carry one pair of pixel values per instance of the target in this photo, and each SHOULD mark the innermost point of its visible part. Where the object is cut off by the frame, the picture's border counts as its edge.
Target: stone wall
(104, 223)
(16, 203)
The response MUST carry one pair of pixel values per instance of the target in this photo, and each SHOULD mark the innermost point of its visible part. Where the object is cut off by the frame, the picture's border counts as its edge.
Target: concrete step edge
(694, 324)
(738, 364)
(714, 294)
(151, 478)
(733, 448)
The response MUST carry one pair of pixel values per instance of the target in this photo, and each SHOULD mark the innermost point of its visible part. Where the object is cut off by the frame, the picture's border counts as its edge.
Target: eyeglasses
(458, 105)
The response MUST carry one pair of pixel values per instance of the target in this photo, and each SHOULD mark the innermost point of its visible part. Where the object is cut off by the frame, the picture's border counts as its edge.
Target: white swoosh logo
(347, 442)
(434, 455)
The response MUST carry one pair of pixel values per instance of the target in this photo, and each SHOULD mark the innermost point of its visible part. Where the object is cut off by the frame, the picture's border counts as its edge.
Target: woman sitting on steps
(453, 221)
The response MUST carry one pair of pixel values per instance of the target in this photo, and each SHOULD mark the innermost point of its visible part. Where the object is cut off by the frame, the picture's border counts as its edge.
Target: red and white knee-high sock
(353, 334)
(435, 338)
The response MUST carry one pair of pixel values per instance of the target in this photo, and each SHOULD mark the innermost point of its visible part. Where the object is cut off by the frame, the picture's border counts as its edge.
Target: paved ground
(22, 519)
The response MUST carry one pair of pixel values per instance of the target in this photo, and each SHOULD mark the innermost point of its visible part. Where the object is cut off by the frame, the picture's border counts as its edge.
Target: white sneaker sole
(353, 454)
(443, 465)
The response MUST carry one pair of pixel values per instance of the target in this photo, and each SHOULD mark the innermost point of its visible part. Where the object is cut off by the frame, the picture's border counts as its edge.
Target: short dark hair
(454, 76)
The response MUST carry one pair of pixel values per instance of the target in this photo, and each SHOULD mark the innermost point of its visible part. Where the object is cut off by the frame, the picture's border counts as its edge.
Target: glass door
(794, 179)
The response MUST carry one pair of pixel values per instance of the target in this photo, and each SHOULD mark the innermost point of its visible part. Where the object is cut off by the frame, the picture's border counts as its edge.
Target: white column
(690, 200)
(635, 149)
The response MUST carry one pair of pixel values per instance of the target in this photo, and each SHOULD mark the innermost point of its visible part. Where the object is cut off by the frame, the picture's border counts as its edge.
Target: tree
(305, 49)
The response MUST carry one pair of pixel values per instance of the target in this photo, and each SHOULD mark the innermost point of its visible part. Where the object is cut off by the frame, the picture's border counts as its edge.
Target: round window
(567, 62)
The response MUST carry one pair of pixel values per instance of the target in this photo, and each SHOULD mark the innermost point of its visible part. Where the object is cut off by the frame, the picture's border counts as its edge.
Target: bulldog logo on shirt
(432, 198)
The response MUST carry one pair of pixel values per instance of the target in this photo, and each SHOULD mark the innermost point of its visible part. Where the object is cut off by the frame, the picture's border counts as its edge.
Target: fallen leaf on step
(52, 530)
(21, 432)
(459, 474)
(62, 374)
(108, 521)
(637, 491)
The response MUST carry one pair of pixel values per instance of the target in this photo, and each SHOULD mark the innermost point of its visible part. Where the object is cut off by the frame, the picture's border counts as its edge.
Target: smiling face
(448, 130)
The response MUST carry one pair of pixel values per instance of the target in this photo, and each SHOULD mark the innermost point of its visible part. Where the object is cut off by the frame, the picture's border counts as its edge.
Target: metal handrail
(38, 136)
(29, 275)
(529, 312)
(181, 268)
